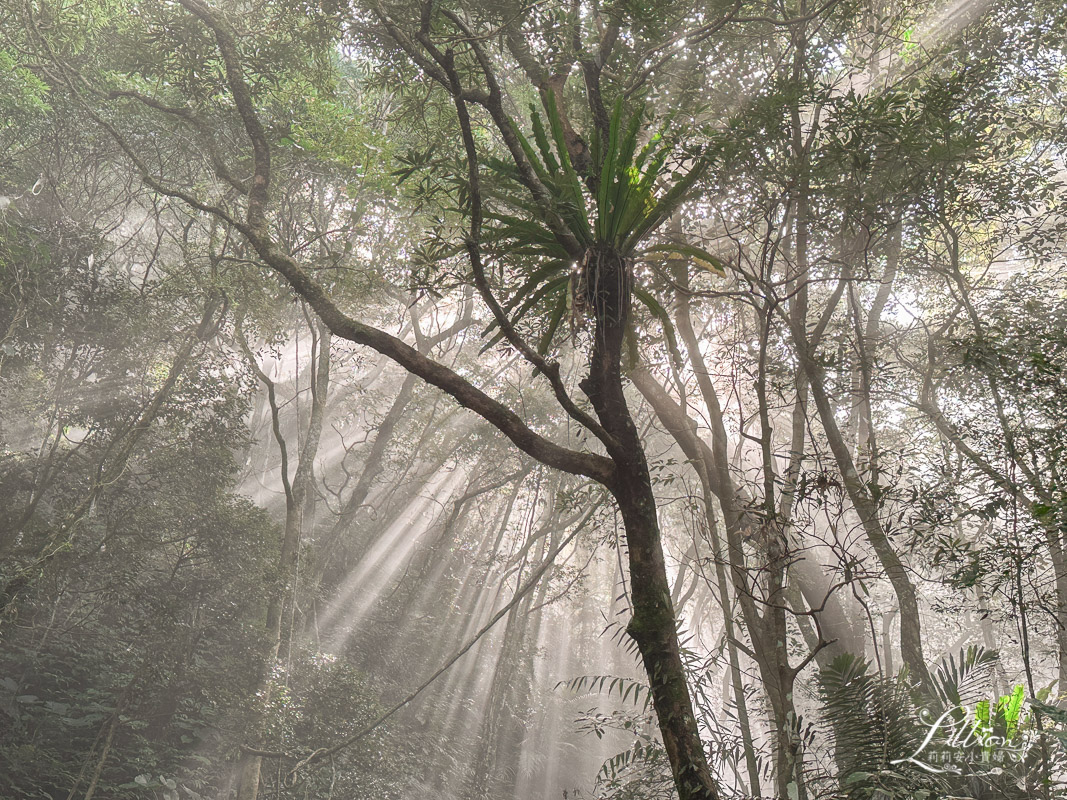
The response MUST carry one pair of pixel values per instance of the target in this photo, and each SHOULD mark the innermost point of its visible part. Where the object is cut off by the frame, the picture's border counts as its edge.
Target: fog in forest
(489, 399)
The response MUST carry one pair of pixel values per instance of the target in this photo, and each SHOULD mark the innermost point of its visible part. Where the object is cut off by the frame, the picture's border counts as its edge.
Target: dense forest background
(493, 399)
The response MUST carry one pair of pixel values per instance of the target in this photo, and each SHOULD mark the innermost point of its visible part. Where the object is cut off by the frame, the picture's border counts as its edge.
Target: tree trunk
(653, 624)
(866, 506)
(296, 494)
(767, 631)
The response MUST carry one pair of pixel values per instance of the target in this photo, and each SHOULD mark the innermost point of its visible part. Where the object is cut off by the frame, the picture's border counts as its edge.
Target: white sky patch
(904, 308)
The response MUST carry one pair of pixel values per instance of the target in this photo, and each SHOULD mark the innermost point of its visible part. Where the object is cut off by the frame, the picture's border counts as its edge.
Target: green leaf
(607, 174)
(1010, 707)
(535, 279)
(541, 138)
(554, 320)
(573, 195)
(533, 299)
(696, 255)
(664, 318)
(627, 179)
(670, 202)
(531, 156)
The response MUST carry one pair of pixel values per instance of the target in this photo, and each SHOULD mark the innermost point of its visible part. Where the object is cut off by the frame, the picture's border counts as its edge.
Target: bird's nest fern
(612, 213)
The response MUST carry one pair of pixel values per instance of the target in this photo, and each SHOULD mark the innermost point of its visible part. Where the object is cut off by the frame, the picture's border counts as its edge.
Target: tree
(606, 255)
(730, 229)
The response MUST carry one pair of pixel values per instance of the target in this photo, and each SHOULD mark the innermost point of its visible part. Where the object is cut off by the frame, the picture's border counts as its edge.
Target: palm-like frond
(950, 741)
(618, 209)
(964, 681)
(872, 722)
(625, 688)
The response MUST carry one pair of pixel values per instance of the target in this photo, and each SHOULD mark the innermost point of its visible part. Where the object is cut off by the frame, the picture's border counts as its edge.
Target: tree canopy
(488, 399)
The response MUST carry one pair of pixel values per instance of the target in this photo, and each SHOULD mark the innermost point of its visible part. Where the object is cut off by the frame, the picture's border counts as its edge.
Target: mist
(482, 400)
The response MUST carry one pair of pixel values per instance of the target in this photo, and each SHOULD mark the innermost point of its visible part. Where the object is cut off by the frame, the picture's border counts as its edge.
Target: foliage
(628, 207)
(888, 185)
(893, 741)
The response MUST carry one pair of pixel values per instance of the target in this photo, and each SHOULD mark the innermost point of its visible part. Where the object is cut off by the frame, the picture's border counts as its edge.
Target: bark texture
(653, 623)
